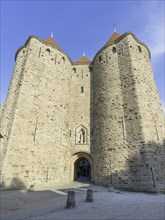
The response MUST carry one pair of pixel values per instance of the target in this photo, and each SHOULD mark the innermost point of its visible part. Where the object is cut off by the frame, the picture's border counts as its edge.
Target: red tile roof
(51, 41)
(83, 60)
(114, 37)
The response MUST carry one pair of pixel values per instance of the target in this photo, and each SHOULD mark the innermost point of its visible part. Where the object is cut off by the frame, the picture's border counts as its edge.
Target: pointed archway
(82, 170)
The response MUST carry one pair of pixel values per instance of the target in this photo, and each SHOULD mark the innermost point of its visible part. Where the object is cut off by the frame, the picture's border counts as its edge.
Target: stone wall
(79, 107)
(79, 113)
(9, 107)
(150, 149)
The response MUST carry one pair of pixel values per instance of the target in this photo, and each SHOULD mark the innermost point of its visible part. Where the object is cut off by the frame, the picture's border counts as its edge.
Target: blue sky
(81, 26)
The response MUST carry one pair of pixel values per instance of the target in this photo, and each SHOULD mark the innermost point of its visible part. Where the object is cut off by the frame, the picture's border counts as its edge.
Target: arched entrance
(82, 170)
(81, 167)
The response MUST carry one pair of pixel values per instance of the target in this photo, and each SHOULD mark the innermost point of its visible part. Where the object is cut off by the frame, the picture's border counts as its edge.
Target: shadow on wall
(149, 166)
(144, 172)
(16, 183)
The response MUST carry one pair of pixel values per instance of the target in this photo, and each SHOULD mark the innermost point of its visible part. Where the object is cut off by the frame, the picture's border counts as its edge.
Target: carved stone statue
(82, 136)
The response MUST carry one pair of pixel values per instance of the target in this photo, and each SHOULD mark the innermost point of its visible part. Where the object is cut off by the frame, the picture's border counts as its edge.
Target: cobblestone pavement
(50, 204)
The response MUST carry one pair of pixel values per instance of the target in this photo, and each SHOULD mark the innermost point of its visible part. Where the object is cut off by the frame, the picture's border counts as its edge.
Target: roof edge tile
(82, 60)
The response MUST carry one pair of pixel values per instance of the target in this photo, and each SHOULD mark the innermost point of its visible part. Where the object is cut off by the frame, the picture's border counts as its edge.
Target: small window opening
(91, 69)
(1, 136)
(39, 52)
(82, 89)
(140, 49)
(63, 59)
(100, 58)
(74, 70)
(114, 49)
(55, 59)
(106, 58)
(48, 51)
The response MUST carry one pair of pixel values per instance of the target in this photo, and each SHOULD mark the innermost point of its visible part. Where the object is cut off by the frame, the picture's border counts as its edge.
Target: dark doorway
(82, 170)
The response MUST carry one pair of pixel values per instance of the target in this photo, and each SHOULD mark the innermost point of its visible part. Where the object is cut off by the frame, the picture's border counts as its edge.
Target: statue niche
(81, 135)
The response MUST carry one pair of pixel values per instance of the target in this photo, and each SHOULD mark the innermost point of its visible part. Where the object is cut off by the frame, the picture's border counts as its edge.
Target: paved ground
(49, 204)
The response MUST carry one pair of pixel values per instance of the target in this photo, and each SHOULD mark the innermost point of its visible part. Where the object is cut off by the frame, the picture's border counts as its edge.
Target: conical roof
(114, 37)
(51, 41)
(82, 60)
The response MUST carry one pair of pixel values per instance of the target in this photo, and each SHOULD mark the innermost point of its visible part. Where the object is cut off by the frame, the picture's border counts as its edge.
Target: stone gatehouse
(99, 120)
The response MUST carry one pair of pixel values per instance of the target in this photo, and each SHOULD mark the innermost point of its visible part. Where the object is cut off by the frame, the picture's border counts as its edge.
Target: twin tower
(98, 121)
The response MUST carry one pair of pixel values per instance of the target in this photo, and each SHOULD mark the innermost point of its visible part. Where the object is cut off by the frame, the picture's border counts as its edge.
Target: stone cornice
(75, 64)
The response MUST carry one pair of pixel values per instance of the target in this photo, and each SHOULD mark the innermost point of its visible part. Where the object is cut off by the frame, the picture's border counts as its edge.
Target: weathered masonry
(100, 121)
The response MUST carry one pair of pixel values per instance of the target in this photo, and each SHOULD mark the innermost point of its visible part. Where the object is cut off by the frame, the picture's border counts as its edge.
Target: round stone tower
(39, 120)
(126, 130)
(108, 111)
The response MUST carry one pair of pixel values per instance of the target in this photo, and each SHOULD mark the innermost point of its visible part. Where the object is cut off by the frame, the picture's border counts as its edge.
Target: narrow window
(106, 58)
(114, 49)
(1, 136)
(140, 49)
(39, 52)
(100, 58)
(82, 89)
(91, 69)
(74, 70)
(55, 59)
(63, 59)
(48, 51)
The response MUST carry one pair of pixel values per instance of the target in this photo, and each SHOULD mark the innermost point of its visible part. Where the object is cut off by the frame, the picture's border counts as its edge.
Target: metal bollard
(70, 200)
(89, 197)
